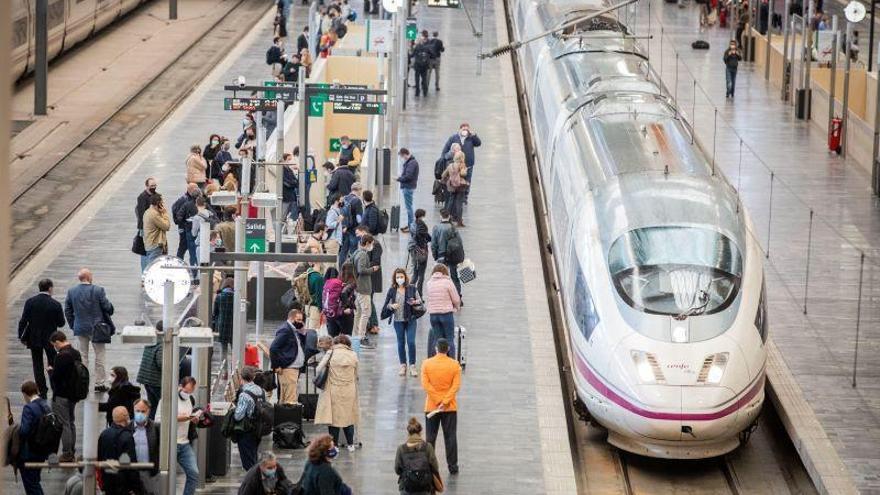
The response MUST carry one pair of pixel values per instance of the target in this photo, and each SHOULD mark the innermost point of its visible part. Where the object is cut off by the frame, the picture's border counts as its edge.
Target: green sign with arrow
(255, 235)
(412, 30)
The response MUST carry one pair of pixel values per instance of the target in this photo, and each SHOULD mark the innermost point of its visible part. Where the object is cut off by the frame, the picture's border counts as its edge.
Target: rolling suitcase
(460, 343)
(309, 400)
(395, 218)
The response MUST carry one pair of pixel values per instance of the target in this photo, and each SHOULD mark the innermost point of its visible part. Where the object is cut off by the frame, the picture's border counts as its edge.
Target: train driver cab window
(676, 271)
(601, 23)
(582, 307)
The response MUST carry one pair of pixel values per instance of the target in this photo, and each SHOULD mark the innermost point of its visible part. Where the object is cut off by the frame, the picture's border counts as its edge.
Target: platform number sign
(255, 235)
(412, 29)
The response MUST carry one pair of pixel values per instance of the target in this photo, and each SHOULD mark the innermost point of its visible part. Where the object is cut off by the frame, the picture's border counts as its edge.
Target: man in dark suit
(41, 316)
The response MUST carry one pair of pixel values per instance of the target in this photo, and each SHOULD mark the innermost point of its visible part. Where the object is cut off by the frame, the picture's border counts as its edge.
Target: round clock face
(157, 273)
(392, 5)
(854, 11)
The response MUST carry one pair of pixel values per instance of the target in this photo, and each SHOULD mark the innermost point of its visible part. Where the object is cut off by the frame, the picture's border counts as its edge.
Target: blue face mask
(269, 473)
(140, 418)
(333, 452)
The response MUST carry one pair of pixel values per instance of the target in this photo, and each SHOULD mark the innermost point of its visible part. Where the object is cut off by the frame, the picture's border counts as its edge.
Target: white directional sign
(380, 35)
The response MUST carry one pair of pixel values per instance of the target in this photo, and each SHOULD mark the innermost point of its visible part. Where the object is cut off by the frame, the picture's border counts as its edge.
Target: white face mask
(401, 280)
(464, 134)
(225, 168)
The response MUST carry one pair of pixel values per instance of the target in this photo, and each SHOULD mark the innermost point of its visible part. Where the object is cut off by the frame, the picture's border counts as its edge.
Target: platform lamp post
(172, 10)
(41, 62)
(167, 282)
(854, 11)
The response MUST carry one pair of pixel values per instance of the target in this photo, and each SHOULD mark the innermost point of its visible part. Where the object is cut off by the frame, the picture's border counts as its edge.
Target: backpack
(263, 416)
(301, 287)
(417, 476)
(80, 381)
(350, 220)
(439, 167)
(332, 301)
(48, 435)
(454, 247)
(383, 221)
(288, 436)
(341, 30)
(272, 55)
(422, 57)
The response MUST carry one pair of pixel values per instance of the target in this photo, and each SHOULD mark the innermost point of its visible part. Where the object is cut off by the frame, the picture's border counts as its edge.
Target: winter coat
(376, 260)
(338, 405)
(150, 371)
(42, 315)
(84, 306)
(156, 227)
(113, 442)
(196, 166)
(124, 395)
(414, 443)
(409, 177)
(340, 181)
(252, 484)
(290, 183)
(439, 237)
(371, 218)
(363, 271)
(467, 146)
(63, 374)
(441, 295)
(391, 297)
(321, 479)
(222, 318)
(143, 202)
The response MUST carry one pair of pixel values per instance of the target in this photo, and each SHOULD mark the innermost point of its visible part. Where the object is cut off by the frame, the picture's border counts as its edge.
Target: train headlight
(647, 368)
(713, 368)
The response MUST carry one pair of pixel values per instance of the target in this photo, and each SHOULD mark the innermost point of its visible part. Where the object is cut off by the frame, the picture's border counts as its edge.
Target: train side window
(56, 13)
(584, 310)
(20, 32)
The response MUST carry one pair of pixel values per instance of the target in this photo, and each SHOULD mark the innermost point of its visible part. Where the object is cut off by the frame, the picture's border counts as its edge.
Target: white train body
(661, 283)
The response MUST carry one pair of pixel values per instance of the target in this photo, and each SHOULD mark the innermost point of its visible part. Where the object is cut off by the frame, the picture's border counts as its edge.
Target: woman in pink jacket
(442, 301)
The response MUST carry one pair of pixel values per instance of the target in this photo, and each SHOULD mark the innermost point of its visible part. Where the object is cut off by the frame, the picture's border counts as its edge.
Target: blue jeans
(151, 255)
(186, 458)
(406, 338)
(30, 478)
(193, 252)
(349, 245)
(442, 326)
(408, 204)
(731, 80)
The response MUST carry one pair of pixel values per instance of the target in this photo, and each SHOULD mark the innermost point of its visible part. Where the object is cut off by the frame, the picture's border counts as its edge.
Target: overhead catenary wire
(577, 20)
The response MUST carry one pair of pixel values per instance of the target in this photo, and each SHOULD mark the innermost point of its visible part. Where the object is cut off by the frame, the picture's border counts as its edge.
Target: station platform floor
(512, 432)
(818, 346)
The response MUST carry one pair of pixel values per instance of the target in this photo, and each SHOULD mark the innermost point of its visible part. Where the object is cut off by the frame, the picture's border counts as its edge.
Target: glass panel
(56, 13)
(20, 32)
(677, 271)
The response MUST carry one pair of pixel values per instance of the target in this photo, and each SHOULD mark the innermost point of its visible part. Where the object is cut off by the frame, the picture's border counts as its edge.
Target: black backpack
(421, 57)
(288, 436)
(341, 30)
(263, 416)
(48, 434)
(80, 381)
(417, 476)
(454, 247)
(383, 221)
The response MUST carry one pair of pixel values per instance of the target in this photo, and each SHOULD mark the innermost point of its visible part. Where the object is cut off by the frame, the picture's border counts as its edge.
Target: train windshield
(677, 271)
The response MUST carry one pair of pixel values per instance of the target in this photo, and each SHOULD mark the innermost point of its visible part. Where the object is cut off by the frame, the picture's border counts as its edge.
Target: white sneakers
(413, 371)
(402, 370)
(351, 448)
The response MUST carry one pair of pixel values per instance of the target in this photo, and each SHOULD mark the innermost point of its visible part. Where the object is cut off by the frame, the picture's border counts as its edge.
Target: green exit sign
(255, 235)
(412, 29)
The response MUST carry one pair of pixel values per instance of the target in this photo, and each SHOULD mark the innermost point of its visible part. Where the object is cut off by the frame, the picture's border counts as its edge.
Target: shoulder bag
(321, 378)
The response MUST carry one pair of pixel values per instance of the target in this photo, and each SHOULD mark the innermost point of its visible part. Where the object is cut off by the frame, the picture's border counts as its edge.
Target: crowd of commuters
(333, 320)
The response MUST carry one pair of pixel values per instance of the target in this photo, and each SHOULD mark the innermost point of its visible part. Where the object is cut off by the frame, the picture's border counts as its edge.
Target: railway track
(41, 206)
(768, 463)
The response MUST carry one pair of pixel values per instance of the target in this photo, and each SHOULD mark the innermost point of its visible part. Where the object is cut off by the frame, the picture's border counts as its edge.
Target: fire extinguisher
(834, 133)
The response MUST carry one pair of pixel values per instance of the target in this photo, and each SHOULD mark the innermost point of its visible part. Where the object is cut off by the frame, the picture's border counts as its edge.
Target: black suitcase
(700, 45)
(395, 218)
(288, 413)
(308, 399)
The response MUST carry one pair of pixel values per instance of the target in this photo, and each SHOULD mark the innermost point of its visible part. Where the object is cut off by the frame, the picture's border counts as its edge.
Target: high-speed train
(662, 285)
(70, 21)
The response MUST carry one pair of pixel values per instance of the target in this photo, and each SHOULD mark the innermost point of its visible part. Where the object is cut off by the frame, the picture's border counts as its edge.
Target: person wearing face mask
(143, 202)
(115, 440)
(230, 179)
(349, 156)
(122, 393)
(146, 445)
(363, 270)
(402, 306)
(196, 167)
(288, 356)
(409, 179)
(319, 477)
(468, 140)
(212, 148)
(223, 155)
(290, 188)
(246, 407)
(248, 141)
(186, 433)
(338, 405)
(265, 478)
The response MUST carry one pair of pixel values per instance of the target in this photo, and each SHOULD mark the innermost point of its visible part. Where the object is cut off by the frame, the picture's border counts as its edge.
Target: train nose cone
(682, 413)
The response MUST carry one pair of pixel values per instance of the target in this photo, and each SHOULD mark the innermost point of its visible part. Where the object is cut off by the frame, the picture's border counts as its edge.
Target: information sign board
(444, 3)
(250, 104)
(365, 108)
(255, 235)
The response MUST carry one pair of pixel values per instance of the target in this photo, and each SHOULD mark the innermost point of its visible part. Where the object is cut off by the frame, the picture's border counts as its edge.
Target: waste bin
(219, 451)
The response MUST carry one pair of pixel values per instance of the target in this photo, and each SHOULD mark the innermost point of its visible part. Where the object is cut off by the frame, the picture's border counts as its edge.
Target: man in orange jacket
(441, 379)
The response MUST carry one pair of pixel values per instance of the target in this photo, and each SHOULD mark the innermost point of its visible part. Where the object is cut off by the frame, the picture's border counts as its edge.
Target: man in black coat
(437, 49)
(115, 440)
(340, 180)
(143, 201)
(302, 41)
(62, 376)
(266, 477)
(42, 315)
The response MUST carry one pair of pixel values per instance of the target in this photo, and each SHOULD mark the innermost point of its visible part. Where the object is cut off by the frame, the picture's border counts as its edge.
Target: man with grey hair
(86, 306)
(266, 477)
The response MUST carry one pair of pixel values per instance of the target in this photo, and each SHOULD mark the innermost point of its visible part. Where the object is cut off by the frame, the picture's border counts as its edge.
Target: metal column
(769, 40)
(304, 105)
(239, 312)
(41, 67)
(202, 355)
(786, 63)
(875, 166)
(845, 111)
(168, 431)
(279, 174)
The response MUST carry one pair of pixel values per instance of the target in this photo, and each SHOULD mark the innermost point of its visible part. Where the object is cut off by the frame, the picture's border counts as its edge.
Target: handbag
(438, 483)
(467, 272)
(137, 245)
(321, 378)
(420, 253)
